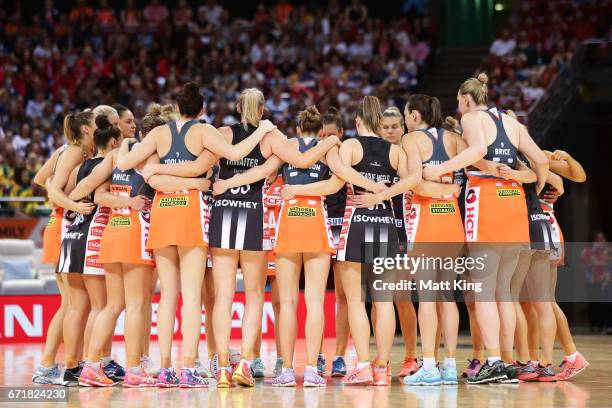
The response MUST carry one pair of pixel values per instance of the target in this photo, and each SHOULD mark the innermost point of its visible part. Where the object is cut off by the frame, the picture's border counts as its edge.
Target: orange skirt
(557, 255)
(495, 211)
(179, 219)
(52, 236)
(303, 227)
(434, 220)
(125, 238)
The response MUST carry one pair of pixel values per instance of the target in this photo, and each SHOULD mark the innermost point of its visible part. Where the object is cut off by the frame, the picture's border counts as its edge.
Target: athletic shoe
(191, 379)
(380, 375)
(139, 379)
(449, 375)
(571, 369)
(257, 368)
(285, 379)
(321, 366)
(472, 368)
(167, 378)
(312, 378)
(424, 377)
(214, 366)
(71, 376)
(525, 372)
(234, 358)
(278, 366)
(546, 374)
(242, 374)
(338, 367)
(114, 371)
(409, 367)
(94, 377)
(224, 378)
(48, 375)
(489, 373)
(147, 364)
(511, 375)
(359, 376)
(201, 370)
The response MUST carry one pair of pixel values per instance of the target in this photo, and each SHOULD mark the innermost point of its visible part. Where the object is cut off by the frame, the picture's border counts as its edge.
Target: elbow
(153, 182)
(480, 152)
(580, 178)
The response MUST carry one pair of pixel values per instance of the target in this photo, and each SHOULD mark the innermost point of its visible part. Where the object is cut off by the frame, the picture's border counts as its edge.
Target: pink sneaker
(360, 376)
(138, 379)
(571, 369)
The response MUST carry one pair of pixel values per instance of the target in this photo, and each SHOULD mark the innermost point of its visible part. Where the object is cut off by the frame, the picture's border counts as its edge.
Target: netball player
(392, 131)
(496, 137)
(378, 160)
(49, 372)
(79, 252)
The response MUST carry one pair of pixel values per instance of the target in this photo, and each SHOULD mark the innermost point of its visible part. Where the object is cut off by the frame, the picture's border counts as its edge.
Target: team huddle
(189, 204)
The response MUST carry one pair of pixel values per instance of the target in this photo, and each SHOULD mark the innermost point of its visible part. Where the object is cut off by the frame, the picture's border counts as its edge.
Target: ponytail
(250, 101)
(369, 112)
(429, 108)
(477, 88)
(105, 132)
(73, 123)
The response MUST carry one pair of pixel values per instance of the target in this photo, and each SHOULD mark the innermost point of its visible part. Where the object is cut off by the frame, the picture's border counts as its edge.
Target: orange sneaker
(359, 376)
(381, 375)
(242, 374)
(571, 369)
(224, 378)
(409, 367)
(91, 377)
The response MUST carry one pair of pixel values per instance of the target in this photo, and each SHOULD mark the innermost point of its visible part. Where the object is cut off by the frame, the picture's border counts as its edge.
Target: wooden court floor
(592, 388)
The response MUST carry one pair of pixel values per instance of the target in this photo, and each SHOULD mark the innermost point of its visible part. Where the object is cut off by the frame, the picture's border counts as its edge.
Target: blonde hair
(309, 120)
(477, 88)
(158, 115)
(369, 112)
(73, 123)
(393, 112)
(512, 114)
(105, 110)
(251, 99)
(452, 124)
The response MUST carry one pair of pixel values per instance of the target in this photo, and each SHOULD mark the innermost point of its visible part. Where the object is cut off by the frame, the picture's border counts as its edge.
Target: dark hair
(189, 100)
(120, 109)
(332, 116)
(369, 111)
(73, 123)
(428, 107)
(105, 132)
(309, 120)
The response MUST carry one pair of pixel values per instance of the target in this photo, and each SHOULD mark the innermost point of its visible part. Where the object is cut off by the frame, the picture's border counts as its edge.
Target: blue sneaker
(338, 367)
(257, 368)
(423, 377)
(321, 364)
(114, 371)
(278, 367)
(449, 375)
(48, 375)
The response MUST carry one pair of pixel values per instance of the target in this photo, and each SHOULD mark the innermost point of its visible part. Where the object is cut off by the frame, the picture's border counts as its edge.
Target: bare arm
(71, 158)
(428, 188)
(105, 198)
(128, 159)
(214, 141)
(555, 181)
(98, 176)
(250, 176)
(320, 188)
(523, 174)
(566, 166)
(287, 151)
(168, 183)
(536, 156)
(195, 168)
(348, 173)
(45, 171)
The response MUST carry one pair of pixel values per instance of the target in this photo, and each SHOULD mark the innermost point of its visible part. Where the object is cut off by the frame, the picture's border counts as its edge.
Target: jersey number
(241, 190)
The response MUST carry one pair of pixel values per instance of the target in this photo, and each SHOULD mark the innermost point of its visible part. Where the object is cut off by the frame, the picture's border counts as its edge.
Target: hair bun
(102, 122)
(155, 109)
(483, 78)
(166, 109)
(332, 110)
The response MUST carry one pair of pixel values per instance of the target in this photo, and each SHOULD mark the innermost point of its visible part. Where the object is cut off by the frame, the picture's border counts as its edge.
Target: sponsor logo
(412, 221)
(374, 219)
(334, 221)
(101, 219)
(104, 210)
(539, 217)
(442, 208)
(94, 245)
(236, 203)
(97, 231)
(173, 202)
(93, 261)
(508, 192)
(471, 214)
(52, 221)
(74, 235)
(301, 212)
(120, 222)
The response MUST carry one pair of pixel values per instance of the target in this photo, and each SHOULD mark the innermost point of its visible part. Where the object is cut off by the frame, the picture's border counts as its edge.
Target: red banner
(24, 319)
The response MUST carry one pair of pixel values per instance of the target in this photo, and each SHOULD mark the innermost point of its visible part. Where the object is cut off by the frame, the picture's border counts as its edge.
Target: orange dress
(431, 219)
(52, 236)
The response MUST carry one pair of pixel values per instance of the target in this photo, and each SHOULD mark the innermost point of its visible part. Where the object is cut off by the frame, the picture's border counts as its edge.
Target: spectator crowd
(53, 61)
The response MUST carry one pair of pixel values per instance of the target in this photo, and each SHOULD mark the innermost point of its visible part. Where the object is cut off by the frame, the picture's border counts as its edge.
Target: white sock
(285, 369)
(309, 367)
(492, 360)
(134, 369)
(572, 357)
(106, 360)
(450, 362)
(362, 364)
(429, 363)
(95, 366)
(535, 363)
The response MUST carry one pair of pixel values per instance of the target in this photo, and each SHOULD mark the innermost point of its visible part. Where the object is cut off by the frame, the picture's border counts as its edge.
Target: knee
(287, 303)
(254, 294)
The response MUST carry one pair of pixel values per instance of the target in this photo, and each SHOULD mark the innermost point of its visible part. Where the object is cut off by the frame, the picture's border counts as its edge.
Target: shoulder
(351, 142)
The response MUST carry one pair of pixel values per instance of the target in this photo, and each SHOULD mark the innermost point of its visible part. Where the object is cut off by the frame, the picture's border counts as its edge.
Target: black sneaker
(511, 375)
(114, 371)
(546, 374)
(71, 376)
(489, 373)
